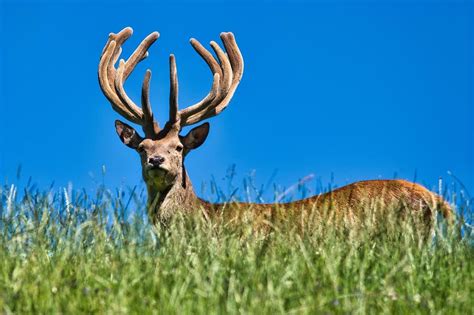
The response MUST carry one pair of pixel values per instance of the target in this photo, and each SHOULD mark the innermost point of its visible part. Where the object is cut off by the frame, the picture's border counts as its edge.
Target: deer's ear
(127, 134)
(196, 136)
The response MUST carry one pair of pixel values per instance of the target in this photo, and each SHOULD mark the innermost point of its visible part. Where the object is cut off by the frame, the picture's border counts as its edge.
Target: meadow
(72, 251)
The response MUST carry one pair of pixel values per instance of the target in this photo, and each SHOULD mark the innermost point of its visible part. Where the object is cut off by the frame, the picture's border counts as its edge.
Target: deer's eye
(179, 148)
(140, 149)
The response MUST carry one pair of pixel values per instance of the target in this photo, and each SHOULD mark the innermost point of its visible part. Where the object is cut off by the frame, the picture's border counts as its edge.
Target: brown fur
(355, 198)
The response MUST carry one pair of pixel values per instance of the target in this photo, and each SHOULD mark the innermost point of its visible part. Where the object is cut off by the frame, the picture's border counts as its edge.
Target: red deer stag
(163, 150)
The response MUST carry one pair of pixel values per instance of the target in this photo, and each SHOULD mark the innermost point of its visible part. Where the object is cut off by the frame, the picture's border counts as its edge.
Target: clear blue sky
(358, 89)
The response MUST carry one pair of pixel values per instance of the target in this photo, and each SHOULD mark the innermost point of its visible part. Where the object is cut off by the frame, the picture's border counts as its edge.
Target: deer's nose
(156, 160)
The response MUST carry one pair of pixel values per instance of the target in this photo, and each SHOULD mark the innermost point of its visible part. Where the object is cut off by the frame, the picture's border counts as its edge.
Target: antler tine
(112, 80)
(235, 56)
(119, 39)
(109, 90)
(150, 126)
(226, 67)
(119, 81)
(140, 53)
(237, 63)
(207, 56)
(174, 114)
(230, 74)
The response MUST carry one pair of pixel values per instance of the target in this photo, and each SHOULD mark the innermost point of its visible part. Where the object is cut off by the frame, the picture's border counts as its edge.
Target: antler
(227, 75)
(111, 80)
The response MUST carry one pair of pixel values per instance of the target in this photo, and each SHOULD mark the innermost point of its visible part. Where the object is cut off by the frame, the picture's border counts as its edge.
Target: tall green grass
(64, 251)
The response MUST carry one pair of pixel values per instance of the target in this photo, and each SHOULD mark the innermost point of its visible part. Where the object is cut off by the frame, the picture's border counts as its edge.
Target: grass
(74, 252)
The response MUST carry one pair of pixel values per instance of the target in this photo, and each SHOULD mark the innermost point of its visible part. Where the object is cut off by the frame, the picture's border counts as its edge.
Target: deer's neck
(163, 202)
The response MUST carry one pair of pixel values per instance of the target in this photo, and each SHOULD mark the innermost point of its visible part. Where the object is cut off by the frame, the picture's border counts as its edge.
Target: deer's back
(356, 197)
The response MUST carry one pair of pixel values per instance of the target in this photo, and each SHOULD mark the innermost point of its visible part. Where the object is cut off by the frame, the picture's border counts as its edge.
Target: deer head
(162, 150)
